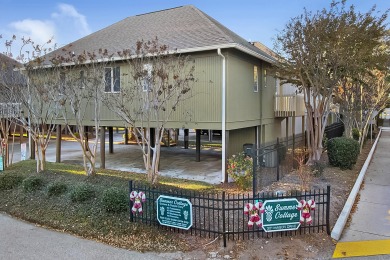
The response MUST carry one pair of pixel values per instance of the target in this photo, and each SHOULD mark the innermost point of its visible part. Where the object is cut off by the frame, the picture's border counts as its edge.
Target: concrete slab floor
(175, 161)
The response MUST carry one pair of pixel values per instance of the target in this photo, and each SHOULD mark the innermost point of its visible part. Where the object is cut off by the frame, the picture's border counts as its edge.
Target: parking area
(175, 160)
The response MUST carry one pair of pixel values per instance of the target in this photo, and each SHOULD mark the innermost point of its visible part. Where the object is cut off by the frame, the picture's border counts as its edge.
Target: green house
(235, 91)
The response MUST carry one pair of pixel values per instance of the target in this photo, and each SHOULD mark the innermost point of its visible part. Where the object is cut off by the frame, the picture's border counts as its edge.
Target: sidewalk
(368, 231)
(21, 240)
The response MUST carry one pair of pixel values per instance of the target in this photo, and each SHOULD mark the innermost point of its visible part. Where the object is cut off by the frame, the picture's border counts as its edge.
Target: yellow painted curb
(362, 248)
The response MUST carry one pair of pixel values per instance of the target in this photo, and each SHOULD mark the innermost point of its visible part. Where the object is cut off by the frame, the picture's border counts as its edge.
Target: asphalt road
(23, 241)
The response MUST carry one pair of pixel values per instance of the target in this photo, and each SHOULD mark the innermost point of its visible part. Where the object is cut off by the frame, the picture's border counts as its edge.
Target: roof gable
(185, 29)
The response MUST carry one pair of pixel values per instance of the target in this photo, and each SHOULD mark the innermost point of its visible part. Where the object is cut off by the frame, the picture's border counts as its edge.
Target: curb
(342, 220)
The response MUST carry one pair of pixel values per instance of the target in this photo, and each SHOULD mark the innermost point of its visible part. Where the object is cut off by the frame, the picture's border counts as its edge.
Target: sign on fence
(23, 151)
(1, 163)
(174, 212)
(281, 215)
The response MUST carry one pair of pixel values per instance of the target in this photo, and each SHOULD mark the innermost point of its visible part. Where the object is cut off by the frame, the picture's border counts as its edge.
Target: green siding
(239, 137)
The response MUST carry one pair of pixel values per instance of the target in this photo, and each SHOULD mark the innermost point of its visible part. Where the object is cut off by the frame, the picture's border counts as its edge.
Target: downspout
(223, 179)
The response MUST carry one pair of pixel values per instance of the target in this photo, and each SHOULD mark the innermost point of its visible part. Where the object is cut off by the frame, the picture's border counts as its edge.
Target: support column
(32, 149)
(287, 126)
(198, 145)
(152, 140)
(58, 144)
(102, 147)
(86, 128)
(126, 135)
(169, 137)
(186, 137)
(21, 134)
(110, 139)
(293, 125)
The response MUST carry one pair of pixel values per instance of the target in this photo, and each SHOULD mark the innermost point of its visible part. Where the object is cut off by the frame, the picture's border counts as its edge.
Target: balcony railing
(289, 105)
(8, 110)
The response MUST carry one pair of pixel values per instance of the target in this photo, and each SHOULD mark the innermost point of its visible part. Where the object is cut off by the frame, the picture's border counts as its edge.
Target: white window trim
(255, 79)
(112, 80)
(148, 67)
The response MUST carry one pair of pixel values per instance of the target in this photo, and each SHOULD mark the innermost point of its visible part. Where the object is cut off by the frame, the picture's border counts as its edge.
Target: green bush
(82, 192)
(355, 134)
(56, 188)
(32, 183)
(343, 152)
(8, 181)
(114, 200)
(240, 169)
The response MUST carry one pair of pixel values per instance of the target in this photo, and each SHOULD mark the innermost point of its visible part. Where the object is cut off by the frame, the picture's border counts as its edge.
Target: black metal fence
(273, 161)
(222, 215)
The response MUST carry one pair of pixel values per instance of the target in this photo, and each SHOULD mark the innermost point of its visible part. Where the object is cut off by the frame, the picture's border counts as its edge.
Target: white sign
(23, 151)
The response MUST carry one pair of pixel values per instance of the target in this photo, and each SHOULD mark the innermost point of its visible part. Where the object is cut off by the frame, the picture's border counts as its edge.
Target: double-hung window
(147, 80)
(255, 79)
(112, 79)
(82, 79)
(62, 83)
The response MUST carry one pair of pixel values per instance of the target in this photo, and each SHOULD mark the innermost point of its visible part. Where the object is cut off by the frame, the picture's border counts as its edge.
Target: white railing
(289, 105)
(10, 110)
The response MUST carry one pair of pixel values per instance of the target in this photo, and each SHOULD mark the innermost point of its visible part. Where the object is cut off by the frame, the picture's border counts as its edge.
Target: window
(146, 82)
(62, 83)
(112, 79)
(255, 79)
(82, 79)
(265, 78)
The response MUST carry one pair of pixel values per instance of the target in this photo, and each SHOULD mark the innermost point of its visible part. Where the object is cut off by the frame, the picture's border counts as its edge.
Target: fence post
(277, 159)
(130, 202)
(223, 219)
(293, 152)
(327, 209)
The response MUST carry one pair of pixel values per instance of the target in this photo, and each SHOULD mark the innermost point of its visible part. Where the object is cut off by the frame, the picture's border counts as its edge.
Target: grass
(87, 218)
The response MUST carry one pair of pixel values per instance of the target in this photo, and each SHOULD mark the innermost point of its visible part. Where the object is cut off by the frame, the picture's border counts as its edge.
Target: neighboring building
(9, 78)
(235, 91)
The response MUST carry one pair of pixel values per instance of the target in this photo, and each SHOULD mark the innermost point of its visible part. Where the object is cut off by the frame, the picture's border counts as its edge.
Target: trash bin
(248, 149)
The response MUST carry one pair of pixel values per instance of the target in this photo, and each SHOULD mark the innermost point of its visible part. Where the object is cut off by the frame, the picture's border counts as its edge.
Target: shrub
(240, 169)
(317, 168)
(56, 188)
(114, 200)
(355, 134)
(343, 152)
(32, 183)
(8, 181)
(82, 192)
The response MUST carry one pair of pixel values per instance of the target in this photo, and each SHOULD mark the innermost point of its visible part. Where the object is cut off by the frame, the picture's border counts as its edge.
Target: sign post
(281, 215)
(174, 212)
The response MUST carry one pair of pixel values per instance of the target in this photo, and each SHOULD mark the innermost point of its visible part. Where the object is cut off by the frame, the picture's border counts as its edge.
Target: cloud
(39, 31)
(68, 12)
(65, 24)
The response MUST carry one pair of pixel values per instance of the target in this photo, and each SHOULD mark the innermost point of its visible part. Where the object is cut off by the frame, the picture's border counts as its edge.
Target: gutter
(178, 51)
(223, 179)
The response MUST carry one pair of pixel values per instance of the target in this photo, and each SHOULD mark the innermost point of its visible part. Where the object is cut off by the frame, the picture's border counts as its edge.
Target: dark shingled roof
(185, 28)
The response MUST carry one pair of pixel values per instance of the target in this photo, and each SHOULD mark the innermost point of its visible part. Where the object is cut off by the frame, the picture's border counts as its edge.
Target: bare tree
(83, 85)
(158, 82)
(315, 48)
(38, 97)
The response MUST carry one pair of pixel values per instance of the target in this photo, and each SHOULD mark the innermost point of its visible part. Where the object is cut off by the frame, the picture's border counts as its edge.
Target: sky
(69, 20)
